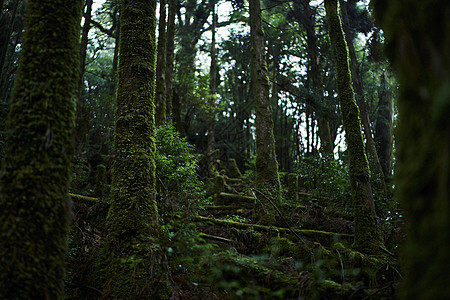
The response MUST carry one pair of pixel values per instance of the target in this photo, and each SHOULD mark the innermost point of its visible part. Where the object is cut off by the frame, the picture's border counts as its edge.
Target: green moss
(266, 162)
(133, 216)
(234, 169)
(292, 193)
(367, 233)
(34, 205)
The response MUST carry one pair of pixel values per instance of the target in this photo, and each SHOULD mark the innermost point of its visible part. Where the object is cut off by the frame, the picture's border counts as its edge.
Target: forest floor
(227, 252)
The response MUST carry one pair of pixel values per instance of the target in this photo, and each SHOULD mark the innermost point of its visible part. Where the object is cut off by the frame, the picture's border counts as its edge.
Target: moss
(292, 193)
(34, 205)
(266, 162)
(234, 169)
(132, 220)
(367, 233)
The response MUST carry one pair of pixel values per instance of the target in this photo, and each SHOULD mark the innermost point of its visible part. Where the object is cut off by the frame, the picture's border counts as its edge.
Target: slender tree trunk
(307, 20)
(170, 49)
(367, 233)
(34, 201)
(82, 125)
(420, 54)
(383, 129)
(358, 83)
(160, 96)
(133, 214)
(212, 91)
(266, 162)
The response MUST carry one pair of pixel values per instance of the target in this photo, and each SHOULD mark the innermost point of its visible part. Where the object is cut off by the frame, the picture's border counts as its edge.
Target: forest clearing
(256, 149)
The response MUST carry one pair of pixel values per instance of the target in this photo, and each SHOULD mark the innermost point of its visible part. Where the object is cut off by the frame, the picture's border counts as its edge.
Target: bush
(177, 181)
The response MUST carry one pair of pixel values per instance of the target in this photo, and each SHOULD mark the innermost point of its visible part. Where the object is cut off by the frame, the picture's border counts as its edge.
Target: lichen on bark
(34, 180)
(367, 233)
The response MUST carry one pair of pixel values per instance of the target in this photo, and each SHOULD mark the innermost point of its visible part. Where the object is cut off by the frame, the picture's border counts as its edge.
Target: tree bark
(34, 202)
(383, 129)
(212, 91)
(160, 96)
(170, 49)
(266, 162)
(420, 54)
(133, 216)
(358, 83)
(367, 233)
(306, 19)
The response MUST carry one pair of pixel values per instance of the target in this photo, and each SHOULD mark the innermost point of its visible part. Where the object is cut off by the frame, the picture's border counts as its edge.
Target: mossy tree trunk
(367, 233)
(160, 96)
(364, 114)
(34, 181)
(266, 162)
(419, 50)
(383, 129)
(124, 265)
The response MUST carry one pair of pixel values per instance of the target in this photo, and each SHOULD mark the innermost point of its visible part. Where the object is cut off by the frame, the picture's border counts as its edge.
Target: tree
(266, 162)
(367, 233)
(133, 216)
(420, 54)
(160, 97)
(34, 181)
(210, 145)
(358, 84)
(304, 15)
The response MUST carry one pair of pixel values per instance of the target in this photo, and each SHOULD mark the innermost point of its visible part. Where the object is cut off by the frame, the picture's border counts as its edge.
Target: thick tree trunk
(266, 162)
(34, 202)
(160, 97)
(133, 214)
(420, 54)
(367, 233)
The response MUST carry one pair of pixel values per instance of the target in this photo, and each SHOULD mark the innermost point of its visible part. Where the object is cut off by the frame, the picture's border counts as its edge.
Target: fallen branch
(305, 232)
(215, 238)
(83, 199)
(229, 207)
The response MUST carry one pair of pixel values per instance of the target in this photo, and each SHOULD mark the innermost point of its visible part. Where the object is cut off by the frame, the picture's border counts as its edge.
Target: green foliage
(176, 170)
(326, 179)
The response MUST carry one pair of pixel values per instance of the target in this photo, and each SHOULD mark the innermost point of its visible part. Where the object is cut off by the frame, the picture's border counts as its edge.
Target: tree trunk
(358, 83)
(266, 162)
(383, 129)
(367, 233)
(160, 96)
(34, 202)
(420, 54)
(170, 48)
(133, 214)
(81, 124)
(306, 19)
(212, 91)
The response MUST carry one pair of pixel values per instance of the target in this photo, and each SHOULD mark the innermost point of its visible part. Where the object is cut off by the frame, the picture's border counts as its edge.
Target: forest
(212, 149)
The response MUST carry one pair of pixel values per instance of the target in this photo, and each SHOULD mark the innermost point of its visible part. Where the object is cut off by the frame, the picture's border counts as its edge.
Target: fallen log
(305, 232)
